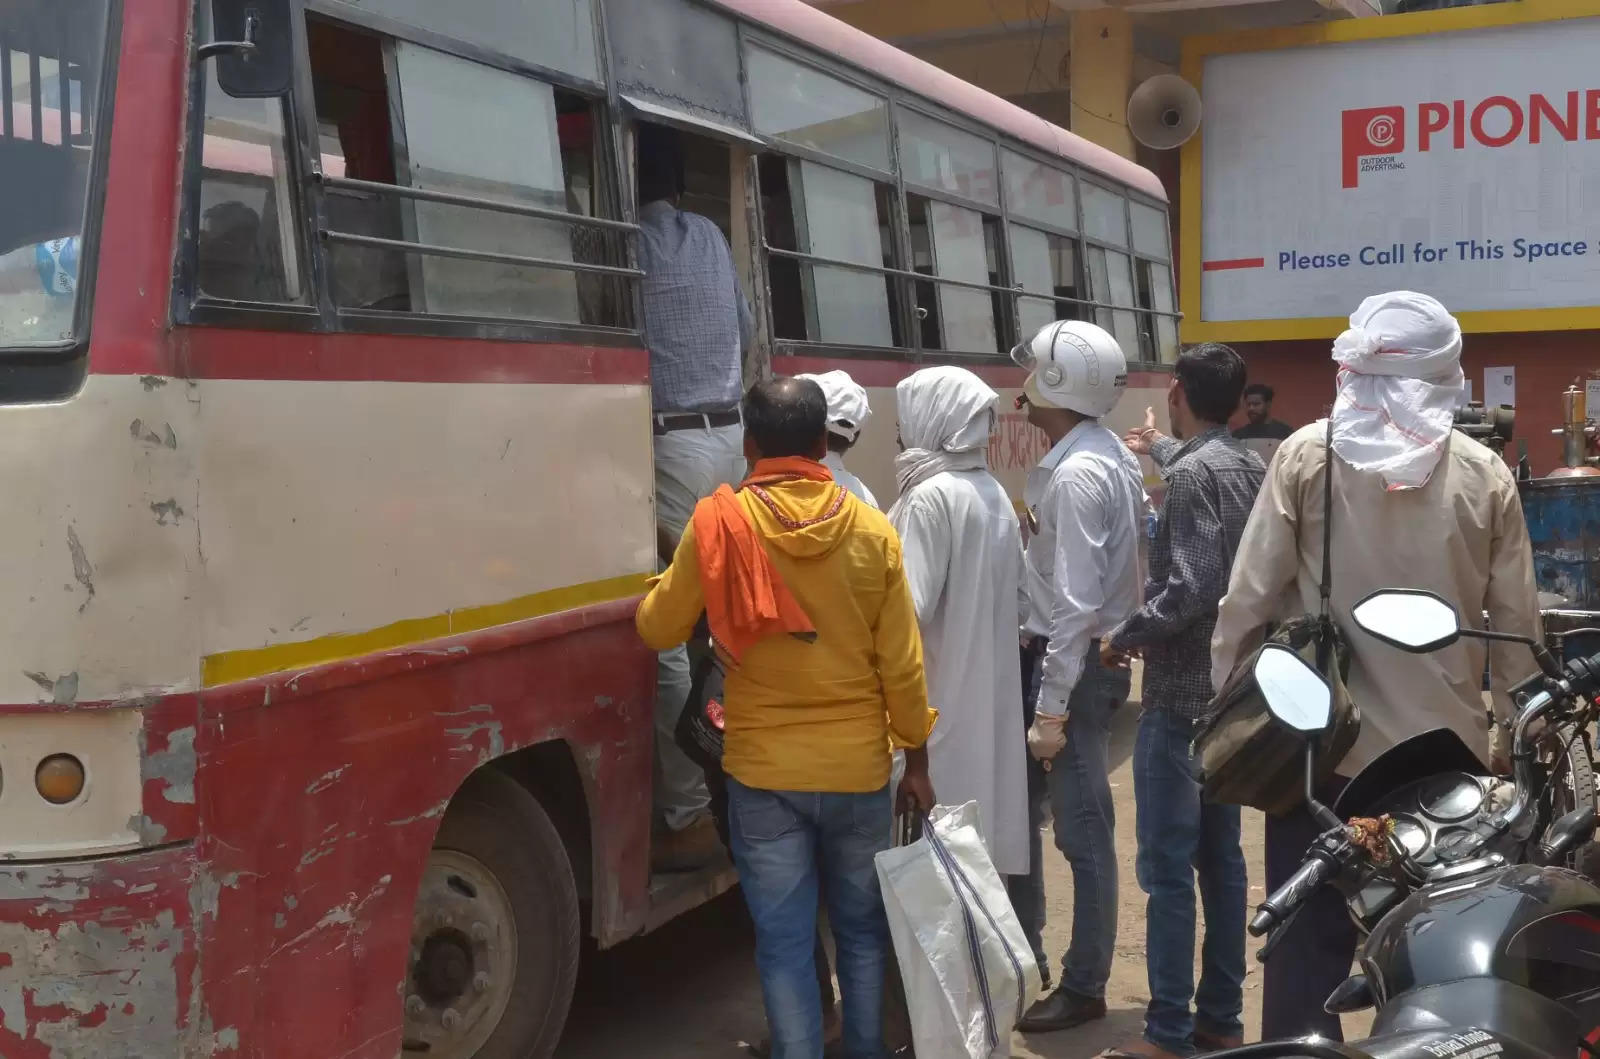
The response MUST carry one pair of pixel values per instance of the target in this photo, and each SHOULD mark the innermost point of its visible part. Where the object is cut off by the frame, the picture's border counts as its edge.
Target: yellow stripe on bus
(231, 667)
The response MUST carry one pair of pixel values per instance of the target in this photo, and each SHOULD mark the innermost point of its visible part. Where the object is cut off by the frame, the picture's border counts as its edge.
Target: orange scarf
(746, 600)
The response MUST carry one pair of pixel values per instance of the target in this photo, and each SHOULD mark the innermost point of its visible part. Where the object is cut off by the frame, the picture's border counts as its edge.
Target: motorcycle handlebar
(1582, 680)
(1583, 675)
(1318, 869)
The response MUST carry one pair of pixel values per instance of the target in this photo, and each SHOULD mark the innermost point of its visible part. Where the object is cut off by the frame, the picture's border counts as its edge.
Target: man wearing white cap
(1085, 576)
(1414, 505)
(848, 412)
(963, 556)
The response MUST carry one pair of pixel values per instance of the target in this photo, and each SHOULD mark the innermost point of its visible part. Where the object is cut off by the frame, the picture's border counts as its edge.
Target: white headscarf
(1399, 384)
(848, 409)
(946, 417)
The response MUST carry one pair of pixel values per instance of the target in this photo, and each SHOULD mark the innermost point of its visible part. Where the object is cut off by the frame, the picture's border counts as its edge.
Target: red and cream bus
(325, 730)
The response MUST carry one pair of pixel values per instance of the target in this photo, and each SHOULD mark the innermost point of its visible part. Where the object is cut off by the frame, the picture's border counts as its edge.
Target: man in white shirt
(848, 412)
(963, 556)
(1085, 576)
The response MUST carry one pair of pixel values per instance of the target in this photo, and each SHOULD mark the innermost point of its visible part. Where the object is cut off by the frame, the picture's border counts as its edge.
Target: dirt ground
(689, 990)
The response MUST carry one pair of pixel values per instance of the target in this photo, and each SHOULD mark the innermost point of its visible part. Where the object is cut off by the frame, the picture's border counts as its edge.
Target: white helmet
(1075, 365)
(848, 409)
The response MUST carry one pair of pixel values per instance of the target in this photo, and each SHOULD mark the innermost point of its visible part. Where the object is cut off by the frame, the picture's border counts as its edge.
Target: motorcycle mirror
(1296, 694)
(1409, 619)
(1352, 994)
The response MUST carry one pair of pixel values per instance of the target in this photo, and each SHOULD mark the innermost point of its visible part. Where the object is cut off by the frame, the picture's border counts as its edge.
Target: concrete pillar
(1102, 77)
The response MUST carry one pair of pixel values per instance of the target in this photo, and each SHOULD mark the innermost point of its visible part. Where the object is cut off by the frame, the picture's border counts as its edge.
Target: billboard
(1455, 153)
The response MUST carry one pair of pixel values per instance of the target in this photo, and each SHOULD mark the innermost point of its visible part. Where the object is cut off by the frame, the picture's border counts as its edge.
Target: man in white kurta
(963, 556)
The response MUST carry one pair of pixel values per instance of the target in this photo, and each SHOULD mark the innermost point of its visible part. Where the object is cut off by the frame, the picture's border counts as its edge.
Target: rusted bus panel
(320, 792)
(168, 759)
(98, 958)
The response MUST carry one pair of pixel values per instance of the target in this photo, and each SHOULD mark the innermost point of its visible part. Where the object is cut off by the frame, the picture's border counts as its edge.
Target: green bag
(1247, 758)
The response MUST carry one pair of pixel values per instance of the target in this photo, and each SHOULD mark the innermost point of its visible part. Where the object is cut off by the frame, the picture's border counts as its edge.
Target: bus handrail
(437, 250)
(1018, 292)
(450, 198)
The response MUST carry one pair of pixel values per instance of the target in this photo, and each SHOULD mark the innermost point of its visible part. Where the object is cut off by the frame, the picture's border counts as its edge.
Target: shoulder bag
(1244, 756)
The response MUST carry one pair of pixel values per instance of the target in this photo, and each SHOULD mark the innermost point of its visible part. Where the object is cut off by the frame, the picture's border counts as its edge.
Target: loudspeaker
(1164, 112)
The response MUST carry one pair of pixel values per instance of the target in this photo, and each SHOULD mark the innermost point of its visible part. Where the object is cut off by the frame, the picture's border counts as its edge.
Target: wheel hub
(444, 971)
(463, 958)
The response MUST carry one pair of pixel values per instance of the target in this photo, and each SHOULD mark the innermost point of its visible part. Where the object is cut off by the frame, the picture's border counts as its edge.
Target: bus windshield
(52, 56)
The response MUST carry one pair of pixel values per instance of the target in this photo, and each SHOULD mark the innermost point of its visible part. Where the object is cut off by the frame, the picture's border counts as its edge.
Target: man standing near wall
(1261, 432)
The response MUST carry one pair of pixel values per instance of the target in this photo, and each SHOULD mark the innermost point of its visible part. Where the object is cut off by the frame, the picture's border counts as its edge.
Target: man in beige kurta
(1415, 505)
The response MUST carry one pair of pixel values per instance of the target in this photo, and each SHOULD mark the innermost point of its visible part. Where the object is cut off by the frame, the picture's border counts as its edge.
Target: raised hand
(1142, 438)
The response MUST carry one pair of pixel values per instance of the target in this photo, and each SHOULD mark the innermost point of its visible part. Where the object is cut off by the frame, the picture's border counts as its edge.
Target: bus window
(484, 144)
(554, 34)
(1045, 264)
(1158, 328)
(51, 56)
(247, 247)
(952, 242)
(1039, 192)
(509, 149)
(1111, 281)
(1046, 255)
(841, 217)
(809, 108)
(1105, 220)
(937, 155)
(351, 89)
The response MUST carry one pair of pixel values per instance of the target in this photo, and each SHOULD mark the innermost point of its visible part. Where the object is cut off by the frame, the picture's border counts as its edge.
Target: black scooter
(1479, 946)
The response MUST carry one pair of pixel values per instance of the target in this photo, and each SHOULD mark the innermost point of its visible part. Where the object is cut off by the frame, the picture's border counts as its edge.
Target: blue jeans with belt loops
(785, 845)
(1078, 791)
(1182, 838)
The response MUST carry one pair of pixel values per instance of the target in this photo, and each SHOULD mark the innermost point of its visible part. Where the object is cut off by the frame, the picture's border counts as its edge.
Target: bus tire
(494, 951)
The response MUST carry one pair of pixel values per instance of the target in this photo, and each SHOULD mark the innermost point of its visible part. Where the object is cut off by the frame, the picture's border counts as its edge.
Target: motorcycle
(1479, 944)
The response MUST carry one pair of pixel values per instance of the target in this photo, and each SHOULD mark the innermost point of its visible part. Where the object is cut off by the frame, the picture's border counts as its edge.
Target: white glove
(1048, 736)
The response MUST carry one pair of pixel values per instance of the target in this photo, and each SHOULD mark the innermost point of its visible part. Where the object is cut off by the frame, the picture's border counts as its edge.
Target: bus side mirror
(254, 47)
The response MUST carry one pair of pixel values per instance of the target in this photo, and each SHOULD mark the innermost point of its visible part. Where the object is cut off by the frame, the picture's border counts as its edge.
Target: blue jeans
(1180, 837)
(786, 844)
(1079, 789)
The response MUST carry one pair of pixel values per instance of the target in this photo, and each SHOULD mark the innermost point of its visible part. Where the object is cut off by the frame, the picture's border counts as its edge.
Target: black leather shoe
(1062, 1010)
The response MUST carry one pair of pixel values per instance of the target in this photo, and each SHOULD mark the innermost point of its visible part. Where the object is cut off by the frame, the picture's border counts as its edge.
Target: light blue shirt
(696, 322)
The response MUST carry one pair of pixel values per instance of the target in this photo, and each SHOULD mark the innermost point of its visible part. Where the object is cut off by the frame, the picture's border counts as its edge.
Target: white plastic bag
(968, 970)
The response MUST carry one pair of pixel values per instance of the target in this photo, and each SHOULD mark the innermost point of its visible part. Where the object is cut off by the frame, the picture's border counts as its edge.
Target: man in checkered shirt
(1211, 485)
(697, 327)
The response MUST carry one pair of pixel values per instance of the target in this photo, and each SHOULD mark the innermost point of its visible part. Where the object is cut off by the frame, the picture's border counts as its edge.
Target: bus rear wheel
(494, 938)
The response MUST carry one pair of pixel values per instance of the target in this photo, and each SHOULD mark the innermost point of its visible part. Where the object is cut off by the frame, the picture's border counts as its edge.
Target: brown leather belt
(666, 424)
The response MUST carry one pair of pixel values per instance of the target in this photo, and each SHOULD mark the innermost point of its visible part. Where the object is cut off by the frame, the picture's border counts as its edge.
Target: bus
(326, 731)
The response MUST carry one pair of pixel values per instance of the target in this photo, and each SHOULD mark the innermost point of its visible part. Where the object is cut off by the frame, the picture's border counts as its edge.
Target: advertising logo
(1370, 139)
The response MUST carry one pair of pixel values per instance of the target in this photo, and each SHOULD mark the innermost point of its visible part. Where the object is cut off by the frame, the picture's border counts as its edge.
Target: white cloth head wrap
(1399, 384)
(946, 418)
(848, 409)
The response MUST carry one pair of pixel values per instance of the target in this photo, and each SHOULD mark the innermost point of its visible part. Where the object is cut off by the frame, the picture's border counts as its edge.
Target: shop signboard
(1455, 153)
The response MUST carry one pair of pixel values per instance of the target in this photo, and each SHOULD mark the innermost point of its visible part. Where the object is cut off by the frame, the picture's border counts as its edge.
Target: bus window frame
(997, 209)
(303, 142)
(52, 370)
(897, 97)
(750, 36)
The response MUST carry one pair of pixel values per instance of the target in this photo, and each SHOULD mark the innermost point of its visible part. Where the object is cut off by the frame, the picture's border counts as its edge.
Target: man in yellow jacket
(807, 600)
